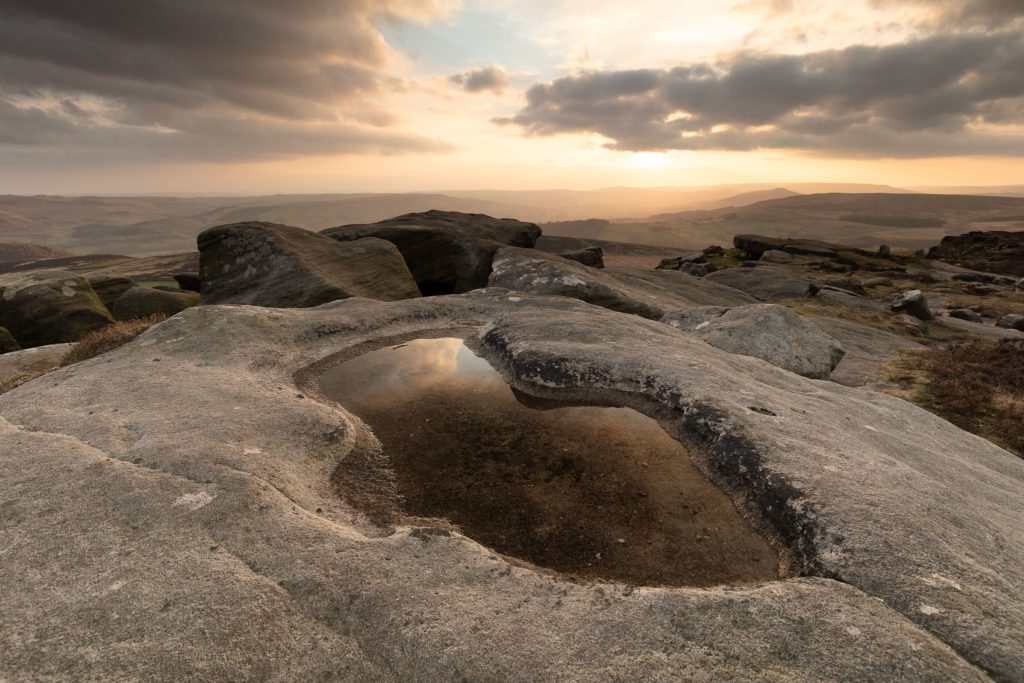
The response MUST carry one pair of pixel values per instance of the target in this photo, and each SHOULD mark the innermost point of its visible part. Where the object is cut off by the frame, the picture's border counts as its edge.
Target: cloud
(491, 78)
(950, 94)
(963, 13)
(217, 74)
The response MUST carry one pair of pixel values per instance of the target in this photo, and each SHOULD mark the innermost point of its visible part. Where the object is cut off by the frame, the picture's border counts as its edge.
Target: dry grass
(977, 385)
(109, 338)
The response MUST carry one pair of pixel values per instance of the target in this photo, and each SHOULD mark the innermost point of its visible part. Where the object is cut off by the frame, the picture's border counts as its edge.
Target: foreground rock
(648, 293)
(49, 307)
(266, 264)
(7, 341)
(993, 251)
(447, 251)
(140, 302)
(181, 524)
(770, 332)
(1011, 321)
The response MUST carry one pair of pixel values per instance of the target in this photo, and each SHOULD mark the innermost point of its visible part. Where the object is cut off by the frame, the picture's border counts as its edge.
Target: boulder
(176, 520)
(266, 264)
(765, 282)
(912, 302)
(190, 282)
(140, 302)
(713, 250)
(49, 307)
(965, 314)
(991, 251)
(884, 251)
(109, 287)
(447, 251)
(770, 332)
(777, 256)
(7, 341)
(589, 256)
(1011, 321)
(648, 293)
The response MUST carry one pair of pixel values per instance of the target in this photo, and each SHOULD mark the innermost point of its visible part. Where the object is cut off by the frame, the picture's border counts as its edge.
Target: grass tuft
(109, 338)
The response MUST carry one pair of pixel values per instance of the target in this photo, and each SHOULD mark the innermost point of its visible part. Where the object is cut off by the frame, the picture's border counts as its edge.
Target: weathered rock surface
(993, 251)
(182, 525)
(109, 287)
(447, 251)
(139, 302)
(590, 256)
(266, 264)
(765, 282)
(767, 331)
(49, 307)
(17, 366)
(7, 341)
(648, 293)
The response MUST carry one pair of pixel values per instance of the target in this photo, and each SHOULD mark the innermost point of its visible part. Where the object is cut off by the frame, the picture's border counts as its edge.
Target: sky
(262, 96)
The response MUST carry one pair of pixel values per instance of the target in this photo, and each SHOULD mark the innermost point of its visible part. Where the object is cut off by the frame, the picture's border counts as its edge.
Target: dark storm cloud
(300, 71)
(491, 78)
(921, 98)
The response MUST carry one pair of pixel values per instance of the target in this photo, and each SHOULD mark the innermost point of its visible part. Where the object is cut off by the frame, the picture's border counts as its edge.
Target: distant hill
(747, 198)
(22, 251)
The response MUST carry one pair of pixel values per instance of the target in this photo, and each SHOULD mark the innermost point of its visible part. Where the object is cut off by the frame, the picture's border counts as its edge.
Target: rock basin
(590, 491)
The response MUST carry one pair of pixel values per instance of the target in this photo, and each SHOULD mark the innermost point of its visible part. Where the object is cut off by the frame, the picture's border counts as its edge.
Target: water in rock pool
(589, 491)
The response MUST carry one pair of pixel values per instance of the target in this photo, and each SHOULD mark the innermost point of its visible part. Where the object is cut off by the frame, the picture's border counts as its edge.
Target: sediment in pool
(592, 492)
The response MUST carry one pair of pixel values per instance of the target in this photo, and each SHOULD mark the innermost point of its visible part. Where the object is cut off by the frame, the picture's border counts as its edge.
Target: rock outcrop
(183, 525)
(266, 264)
(992, 251)
(139, 302)
(447, 251)
(767, 331)
(648, 293)
(49, 307)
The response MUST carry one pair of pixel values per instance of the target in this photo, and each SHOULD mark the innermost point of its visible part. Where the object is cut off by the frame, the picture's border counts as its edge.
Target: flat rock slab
(175, 520)
(267, 264)
(648, 293)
